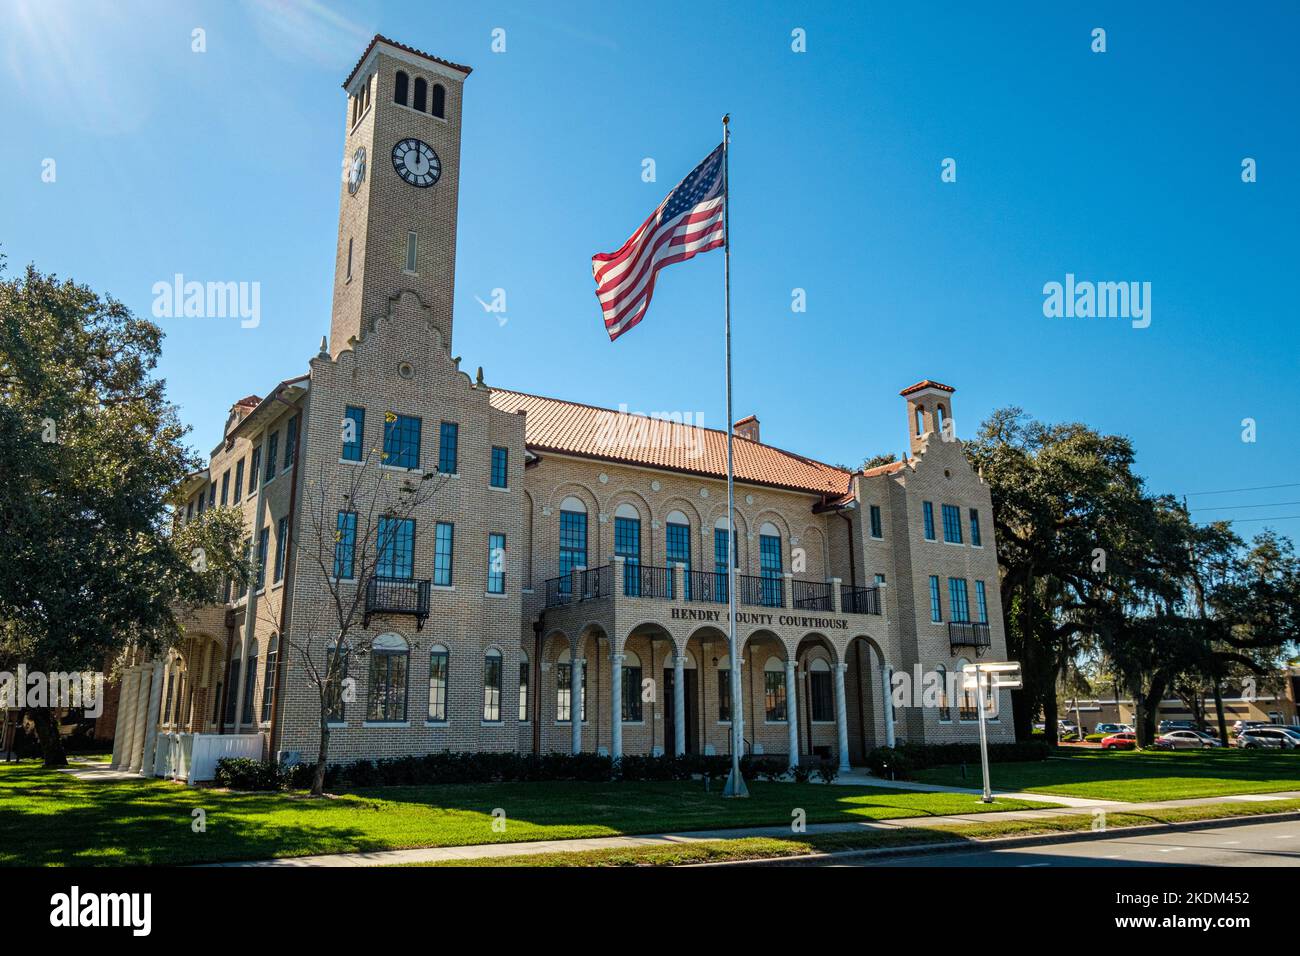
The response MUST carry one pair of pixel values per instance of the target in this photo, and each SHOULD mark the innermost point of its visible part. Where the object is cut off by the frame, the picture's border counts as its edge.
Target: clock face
(416, 162)
(357, 170)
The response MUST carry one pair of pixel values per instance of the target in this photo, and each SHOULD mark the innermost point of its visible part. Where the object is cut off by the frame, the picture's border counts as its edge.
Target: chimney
(748, 428)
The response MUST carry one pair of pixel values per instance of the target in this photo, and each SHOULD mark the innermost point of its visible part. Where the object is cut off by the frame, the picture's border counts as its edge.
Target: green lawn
(48, 817)
(1139, 776)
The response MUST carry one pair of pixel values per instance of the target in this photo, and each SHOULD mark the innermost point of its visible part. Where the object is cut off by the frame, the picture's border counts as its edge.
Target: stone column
(791, 712)
(125, 702)
(679, 704)
(575, 700)
(616, 705)
(139, 713)
(841, 716)
(152, 715)
(886, 680)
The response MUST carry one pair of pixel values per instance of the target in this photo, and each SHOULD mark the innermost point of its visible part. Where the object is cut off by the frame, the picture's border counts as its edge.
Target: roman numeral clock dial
(416, 162)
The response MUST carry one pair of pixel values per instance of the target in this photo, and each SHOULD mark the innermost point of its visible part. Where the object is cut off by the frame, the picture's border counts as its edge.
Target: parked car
(1167, 725)
(1241, 725)
(1277, 738)
(1113, 729)
(1123, 740)
(1185, 740)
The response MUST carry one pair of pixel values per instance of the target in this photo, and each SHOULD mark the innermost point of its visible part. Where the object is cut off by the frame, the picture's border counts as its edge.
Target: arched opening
(268, 677)
(677, 548)
(633, 709)
(769, 563)
(938, 419)
(389, 656)
(573, 540)
(421, 93)
(400, 84)
(439, 665)
(920, 419)
(438, 101)
(492, 685)
(627, 545)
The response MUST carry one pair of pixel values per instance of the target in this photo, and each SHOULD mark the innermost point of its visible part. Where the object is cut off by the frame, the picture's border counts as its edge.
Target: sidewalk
(479, 851)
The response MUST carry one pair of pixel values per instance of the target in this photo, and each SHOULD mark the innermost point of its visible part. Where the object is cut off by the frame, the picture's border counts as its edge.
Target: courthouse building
(566, 586)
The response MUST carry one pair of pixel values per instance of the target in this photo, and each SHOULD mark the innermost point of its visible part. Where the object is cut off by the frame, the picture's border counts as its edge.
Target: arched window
(438, 683)
(774, 689)
(677, 549)
(920, 419)
(966, 706)
(492, 685)
(718, 586)
(632, 687)
(524, 674)
(268, 678)
(564, 688)
(945, 703)
(573, 539)
(438, 101)
(627, 545)
(365, 96)
(421, 93)
(250, 683)
(769, 563)
(400, 83)
(389, 655)
(938, 419)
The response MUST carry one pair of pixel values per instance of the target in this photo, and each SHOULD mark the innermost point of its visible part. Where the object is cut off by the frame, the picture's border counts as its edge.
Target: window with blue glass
(448, 435)
(281, 542)
(396, 554)
(496, 579)
(354, 427)
(254, 470)
(443, 540)
(677, 550)
(290, 441)
(927, 516)
(500, 466)
(401, 441)
(239, 481)
(877, 526)
(263, 542)
(981, 603)
(345, 544)
(573, 545)
(627, 545)
(769, 563)
(936, 610)
(975, 528)
(272, 450)
(958, 606)
(952, 524)
(721, 579)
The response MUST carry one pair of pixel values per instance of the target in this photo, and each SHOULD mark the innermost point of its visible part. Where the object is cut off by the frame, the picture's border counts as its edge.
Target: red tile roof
(926, 384)
(555, 425)
(380, 38)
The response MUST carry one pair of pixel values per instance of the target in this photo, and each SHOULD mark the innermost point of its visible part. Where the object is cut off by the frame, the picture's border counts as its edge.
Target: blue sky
(1115, 166)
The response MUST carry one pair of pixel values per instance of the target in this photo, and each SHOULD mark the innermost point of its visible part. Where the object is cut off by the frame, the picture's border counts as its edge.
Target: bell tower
(929, 412)
(398, 196)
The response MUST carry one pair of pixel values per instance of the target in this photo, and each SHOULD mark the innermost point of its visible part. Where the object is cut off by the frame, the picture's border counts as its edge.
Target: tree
(90, 452)
(336, 634)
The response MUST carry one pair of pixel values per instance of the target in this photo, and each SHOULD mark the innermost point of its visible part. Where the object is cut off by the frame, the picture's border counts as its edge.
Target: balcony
(397, 596)
(588, 584)
(966, 634)
(811, 595)
(859, 600)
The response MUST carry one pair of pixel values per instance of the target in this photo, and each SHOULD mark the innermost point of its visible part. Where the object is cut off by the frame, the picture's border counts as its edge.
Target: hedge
(899, 763)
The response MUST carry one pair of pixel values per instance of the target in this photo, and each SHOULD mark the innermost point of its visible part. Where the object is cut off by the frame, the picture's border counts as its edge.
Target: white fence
(207, 749)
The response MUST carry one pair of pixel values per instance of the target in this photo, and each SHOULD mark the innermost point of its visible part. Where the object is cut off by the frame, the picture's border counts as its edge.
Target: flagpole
(735, 782)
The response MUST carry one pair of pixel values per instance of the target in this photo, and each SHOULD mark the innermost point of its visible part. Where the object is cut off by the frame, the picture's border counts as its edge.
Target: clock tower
(397, 200)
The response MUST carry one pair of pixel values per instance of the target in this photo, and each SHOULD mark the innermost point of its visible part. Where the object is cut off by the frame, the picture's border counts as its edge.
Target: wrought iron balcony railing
(968, 634)
(397, 596)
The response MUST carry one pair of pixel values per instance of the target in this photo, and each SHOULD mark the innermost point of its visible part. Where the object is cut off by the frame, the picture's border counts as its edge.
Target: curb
(1002, 843)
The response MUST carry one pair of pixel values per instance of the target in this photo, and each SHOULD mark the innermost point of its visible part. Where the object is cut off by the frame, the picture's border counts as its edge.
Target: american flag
(688, 221)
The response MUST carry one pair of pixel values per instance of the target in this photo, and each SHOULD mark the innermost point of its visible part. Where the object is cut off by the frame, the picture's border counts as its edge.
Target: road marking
(1171, 849)
(1024, 866)
(1285, 836)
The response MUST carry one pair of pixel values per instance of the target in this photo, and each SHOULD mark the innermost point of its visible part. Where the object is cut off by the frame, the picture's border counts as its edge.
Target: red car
(1120, 741)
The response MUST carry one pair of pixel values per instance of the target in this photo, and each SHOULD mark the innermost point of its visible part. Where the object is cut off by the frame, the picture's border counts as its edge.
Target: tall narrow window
(769, 563)
(438, 683)
(225, 487)
(263, 543)
(920, 420)
(354, 426)
(496, 577)
(421, 93)
(239, 481)
(268, 678)
(945, 705)
(632, 687)
(388, 659)
(524, 671)
(281, 543)
(958, 605)
(349, 273)
(573, 540)
(500, 466)
(678, 549)
(290, 442)
(939, 419)
(448, 439)
(400, 84)
(401, 441)
(232, 695)
(936, 610)
(952, 524)
(335, 675)
(396, 552)
(438, 101)
(564, 688)
(724, 690)
(627, 545)
(877, 527)
(774, 690)
(272, 450)
(412, 252)
(720, 578)
(492, 686)
(255, 469)
(981, 603)
(819, 690)
(975, 528)
(443, 540)
(345, 544)
(250, 684)
(212, 495)
(927, 516)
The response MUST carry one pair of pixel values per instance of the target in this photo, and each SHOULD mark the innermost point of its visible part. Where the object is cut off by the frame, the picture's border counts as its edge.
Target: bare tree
(368, 494)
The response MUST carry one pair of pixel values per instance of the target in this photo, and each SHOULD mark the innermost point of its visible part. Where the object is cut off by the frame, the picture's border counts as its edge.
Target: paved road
(1261, 844)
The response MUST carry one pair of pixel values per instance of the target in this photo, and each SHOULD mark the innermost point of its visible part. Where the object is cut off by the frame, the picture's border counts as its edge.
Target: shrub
(906, 758)
(827, 771)
(243, 773)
